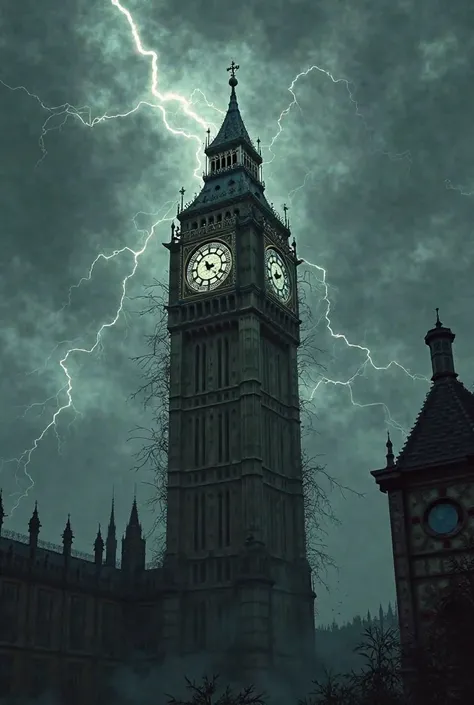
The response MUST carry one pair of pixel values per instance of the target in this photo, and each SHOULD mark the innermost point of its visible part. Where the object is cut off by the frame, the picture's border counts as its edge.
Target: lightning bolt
(459, 189)
(293, 192)
(84, 114)
(25, 458)
(367, 361)
(57, 118)
(350, 91)
(63, 112)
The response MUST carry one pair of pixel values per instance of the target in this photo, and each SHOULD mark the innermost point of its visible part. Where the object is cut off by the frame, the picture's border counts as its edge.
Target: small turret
(133, 544)
(68, 537)
(34, 526)
(111, 541)
(2, 512)
(98, 548)
(440, 341)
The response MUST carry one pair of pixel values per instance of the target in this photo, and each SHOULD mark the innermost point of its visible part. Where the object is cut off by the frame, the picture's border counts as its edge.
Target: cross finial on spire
(285, 209)
(233, 68)
(438, 322)
(182, 192)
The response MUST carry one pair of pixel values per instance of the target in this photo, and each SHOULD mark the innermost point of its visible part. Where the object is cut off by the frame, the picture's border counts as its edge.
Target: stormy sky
(375, 160)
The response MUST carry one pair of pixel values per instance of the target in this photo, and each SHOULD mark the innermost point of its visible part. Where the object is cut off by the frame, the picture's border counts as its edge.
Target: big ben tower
(238, 580)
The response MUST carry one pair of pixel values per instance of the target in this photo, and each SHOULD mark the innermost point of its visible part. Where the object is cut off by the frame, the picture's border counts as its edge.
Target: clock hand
(209, 266)
(277, 276)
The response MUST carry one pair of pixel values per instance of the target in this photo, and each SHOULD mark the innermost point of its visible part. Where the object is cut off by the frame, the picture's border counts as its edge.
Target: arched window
(227, 517)
(219, 363)
(203, 440)
(197, 357)
(226, 436)
(196, 523)
(220, 510)
(203, 520)
(204, 368)
(226, 362)
(196, 441)
(220, 434)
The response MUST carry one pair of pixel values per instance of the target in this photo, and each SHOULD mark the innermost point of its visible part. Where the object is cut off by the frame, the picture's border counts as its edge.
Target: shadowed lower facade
(235, 584)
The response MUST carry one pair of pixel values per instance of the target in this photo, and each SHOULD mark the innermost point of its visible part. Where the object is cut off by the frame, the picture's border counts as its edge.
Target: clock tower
(238, 584)
(430, 488)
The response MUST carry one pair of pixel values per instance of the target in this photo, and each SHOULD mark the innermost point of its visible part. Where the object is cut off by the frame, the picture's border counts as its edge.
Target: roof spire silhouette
(389, 456)
(34, 524)
(111, 527)
(133, 521)
(2, 511)
(99, 541)
(440, 341)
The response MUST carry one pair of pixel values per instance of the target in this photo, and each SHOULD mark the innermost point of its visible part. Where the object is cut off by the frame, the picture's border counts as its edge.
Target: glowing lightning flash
(84, 114)
(25, 458)
(291, 88)
(367, 361)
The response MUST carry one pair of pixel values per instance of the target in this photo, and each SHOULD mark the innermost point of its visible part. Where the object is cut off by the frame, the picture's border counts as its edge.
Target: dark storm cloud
(375, 211)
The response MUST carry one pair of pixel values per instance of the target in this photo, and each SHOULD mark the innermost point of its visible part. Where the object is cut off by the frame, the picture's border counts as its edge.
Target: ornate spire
(111, 541)
(232, 129)
(99, 541)
(34, 524)
(389, 456)
(111, 527)
(133, 521)
(440, 341)
(67, 533)
(133, 544)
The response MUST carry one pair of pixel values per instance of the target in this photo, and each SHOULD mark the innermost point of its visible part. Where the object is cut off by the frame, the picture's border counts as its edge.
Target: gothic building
(235, 583)
(430, 489)
(68, 619)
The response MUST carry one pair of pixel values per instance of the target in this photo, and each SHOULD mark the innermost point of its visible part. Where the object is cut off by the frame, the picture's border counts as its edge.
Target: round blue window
(443, 518)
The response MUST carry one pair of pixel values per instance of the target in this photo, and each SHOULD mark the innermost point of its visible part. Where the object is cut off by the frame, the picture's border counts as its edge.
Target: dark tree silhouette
(378, 682)
(318, 483)
(207, 693)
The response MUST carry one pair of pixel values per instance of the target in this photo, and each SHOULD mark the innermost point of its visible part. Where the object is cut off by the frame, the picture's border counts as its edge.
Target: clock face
(277, 274)
(443, 518)
(209, 266)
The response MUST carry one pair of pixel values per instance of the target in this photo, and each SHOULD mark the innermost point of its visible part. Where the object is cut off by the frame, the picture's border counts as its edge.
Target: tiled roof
(444, 429)
(224, 187)
(233, 127)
